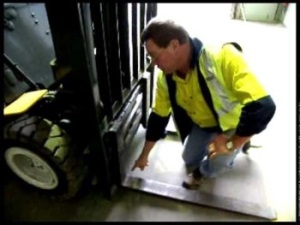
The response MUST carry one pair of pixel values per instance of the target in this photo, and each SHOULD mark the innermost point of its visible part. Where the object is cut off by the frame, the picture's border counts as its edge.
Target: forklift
(77, 87)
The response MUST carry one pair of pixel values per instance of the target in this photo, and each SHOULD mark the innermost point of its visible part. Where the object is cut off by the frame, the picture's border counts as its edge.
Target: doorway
(249, 188)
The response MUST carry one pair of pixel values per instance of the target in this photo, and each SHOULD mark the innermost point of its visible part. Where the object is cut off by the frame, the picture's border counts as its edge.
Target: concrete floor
(25, 206)
(267, 175)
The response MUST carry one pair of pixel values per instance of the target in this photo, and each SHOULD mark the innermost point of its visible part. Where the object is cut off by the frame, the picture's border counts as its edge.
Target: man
(217, 102)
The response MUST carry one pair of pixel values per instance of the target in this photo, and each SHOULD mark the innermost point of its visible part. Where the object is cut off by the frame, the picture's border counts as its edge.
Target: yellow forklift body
(24, 102)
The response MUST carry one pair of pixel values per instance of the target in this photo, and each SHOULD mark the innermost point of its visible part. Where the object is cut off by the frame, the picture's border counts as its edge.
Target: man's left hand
(218, 146)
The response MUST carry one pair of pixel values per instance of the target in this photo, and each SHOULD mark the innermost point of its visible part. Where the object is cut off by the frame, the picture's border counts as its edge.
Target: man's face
(164, 58)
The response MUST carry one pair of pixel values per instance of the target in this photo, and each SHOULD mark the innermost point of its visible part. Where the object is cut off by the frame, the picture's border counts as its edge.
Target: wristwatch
(230, 146)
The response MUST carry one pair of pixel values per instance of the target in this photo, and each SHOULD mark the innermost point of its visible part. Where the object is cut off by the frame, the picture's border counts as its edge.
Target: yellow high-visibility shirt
(238, 78)
(188, 96)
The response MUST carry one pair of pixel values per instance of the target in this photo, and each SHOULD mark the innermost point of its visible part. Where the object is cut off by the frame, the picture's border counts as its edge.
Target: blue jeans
(196, 150)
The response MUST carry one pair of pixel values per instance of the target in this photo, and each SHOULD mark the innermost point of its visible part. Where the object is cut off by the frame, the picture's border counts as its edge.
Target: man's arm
(254, 119)
(157, 122)
(258, 109)
(155, 130)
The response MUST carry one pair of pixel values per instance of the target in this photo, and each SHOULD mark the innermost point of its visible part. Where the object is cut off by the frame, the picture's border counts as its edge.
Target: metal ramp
(199, 197)
(166, 172)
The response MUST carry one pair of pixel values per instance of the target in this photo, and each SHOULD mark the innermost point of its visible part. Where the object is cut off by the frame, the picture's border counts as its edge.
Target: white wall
(195, 16)
(199, 19)
(290, 16)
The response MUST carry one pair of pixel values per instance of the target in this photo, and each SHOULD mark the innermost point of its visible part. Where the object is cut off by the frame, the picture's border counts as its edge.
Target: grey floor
(25, 206)
(266, 176)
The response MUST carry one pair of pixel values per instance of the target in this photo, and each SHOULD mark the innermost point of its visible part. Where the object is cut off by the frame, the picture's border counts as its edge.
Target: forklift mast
(89, 57)
(101, 43)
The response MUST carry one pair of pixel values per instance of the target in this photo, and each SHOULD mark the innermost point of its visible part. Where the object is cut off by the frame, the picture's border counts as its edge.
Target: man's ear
(175, 44)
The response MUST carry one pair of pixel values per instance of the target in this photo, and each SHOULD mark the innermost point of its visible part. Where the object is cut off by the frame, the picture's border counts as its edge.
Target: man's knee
(186, 158)
(218, 165)
(193, 156)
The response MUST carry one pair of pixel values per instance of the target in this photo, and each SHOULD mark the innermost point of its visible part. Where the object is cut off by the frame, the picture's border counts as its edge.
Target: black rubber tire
(53, 145)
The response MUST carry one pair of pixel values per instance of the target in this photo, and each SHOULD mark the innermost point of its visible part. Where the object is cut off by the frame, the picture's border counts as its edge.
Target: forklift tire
(43, 155)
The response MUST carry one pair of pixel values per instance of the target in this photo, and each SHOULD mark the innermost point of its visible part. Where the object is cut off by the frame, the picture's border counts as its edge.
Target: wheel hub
(31, 168)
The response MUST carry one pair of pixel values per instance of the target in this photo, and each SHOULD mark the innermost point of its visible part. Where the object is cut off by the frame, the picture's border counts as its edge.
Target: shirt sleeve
(259, 108)
(161, 109)
(161, 105)
(239, 77)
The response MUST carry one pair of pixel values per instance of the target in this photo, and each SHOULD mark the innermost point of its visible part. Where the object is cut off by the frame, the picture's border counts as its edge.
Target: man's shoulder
(222, 44)
(215, 49)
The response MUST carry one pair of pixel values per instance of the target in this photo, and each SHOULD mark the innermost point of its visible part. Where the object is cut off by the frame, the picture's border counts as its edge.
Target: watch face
(229, 145)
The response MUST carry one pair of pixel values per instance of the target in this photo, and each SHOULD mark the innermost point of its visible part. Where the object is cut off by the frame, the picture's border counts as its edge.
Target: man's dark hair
(163, 31)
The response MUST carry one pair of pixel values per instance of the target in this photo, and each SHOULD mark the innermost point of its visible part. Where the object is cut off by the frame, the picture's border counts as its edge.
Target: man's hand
(218, 146)
(141, 162)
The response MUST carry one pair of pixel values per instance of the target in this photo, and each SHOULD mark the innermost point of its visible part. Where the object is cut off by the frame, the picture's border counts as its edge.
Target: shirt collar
(196, 49)
(196, 45)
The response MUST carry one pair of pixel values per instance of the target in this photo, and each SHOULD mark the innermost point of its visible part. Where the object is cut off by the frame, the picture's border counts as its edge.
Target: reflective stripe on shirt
(227, 106)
